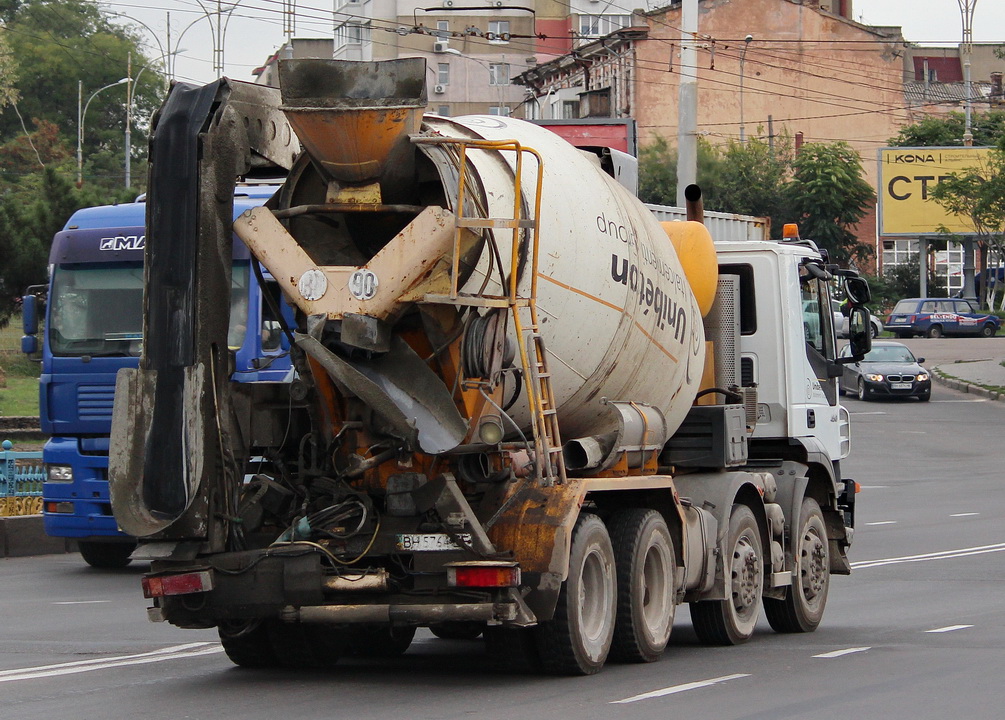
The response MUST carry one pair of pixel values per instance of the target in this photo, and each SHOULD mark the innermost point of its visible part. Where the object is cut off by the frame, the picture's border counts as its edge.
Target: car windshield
(889, 354)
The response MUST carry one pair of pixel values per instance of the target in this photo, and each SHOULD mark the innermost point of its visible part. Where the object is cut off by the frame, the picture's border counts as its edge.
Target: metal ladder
(550, 468)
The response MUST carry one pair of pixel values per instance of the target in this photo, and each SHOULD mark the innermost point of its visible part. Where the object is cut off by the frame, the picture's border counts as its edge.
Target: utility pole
(687, 101)
(129, 118)
(967, 12)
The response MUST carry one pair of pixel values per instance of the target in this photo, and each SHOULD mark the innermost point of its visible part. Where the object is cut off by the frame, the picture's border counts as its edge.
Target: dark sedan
(889, 370)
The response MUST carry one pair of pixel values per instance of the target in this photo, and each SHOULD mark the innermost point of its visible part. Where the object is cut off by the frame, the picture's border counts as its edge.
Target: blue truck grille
(94, 402)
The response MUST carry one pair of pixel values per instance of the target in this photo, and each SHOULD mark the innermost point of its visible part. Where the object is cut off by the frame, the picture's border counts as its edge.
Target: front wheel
(106, 554)
(935, 332)
(802, 608)
(644, 557)
(988, 330)
(577, 640)
(862, 393)
(731, 621)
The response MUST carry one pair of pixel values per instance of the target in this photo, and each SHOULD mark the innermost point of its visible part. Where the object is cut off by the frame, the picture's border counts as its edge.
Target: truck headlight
(60, 473)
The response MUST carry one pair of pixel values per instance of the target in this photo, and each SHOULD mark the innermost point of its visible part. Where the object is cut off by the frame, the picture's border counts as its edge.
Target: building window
(570, 109)
(442, 73)
(443, 110)
(600, 25)
(498, 31)
(499, 110)
(499, 74)
(442, 29)
(353, 33)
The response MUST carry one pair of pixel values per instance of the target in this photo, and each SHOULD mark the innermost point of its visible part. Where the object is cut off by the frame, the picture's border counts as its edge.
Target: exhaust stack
(354, 118)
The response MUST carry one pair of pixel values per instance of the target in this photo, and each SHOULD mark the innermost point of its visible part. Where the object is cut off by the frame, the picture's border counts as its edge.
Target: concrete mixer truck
(523, 408)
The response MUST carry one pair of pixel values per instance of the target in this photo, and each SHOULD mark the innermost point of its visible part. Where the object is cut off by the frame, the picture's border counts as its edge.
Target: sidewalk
(979, 377)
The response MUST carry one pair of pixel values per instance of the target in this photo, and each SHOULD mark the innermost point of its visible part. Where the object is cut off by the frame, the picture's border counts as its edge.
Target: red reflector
(161, 585)
(482, 576)
(59, 507)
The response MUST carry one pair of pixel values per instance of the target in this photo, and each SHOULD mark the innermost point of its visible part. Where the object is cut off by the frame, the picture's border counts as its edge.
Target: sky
(255, 28)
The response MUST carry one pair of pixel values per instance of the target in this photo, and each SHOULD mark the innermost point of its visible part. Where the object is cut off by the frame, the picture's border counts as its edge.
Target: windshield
(97, 309)
(905, 306)
(889, 354)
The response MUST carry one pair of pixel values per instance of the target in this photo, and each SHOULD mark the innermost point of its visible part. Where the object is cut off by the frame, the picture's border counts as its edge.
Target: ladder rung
(503, 223)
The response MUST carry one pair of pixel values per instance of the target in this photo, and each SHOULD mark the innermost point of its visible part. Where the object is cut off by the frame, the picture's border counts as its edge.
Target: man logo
(127, 242)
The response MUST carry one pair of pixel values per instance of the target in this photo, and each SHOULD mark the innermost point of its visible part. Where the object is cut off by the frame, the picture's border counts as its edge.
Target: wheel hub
(813, 570)
(746, 572)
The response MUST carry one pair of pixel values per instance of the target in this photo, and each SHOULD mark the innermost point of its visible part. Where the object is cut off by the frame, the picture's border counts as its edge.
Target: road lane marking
(949, 628)
(840, 653)
(966, 514)
(176, 652)
(679, 688)
(874, 487)
(80, 602)
(883, 522)
(959, 401)
(942, 555)
(874, 412)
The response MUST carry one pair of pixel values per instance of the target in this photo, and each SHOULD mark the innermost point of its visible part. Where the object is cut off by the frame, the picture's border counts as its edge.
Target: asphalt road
(917, 631)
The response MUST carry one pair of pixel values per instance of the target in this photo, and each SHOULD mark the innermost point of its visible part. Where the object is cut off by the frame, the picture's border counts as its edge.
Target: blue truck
(93, 327)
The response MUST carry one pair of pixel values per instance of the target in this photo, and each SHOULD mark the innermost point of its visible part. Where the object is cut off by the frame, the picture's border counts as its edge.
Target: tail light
(181, 584)
(483, 574)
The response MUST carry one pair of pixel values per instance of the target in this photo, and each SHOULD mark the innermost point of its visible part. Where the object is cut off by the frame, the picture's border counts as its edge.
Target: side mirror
(859, 331)
(29, 314)
(919, 360)
(858, 292)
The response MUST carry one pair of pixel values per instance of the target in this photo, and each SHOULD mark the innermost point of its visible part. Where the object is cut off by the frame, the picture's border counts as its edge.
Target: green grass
(20, 397)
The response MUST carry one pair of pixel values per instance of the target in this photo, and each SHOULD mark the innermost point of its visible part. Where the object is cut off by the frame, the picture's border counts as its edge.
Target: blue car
(940, 317)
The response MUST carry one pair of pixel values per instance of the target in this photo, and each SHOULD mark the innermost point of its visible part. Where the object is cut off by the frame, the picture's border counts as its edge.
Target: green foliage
(658, 172)
(752, 180)
(827, 195)
(947, 130)
(902, 281)
(20, 397)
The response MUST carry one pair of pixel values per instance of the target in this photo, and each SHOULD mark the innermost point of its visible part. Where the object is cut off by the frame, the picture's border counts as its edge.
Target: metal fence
(21, 477)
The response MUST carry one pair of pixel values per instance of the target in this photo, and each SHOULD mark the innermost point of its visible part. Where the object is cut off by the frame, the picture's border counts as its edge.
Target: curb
(962, 386)
(24, 536)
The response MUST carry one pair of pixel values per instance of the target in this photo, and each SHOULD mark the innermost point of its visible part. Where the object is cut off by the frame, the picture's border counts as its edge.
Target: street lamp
(743, 58)
(130, 96)
(80, 122)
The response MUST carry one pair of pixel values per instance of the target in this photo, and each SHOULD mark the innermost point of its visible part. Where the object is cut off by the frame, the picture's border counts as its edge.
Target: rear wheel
(106, 554)
(935, 332)
(988, 330)
(874, 330)
(802, 608)
(457, 630)
(731, 621)
(247, 643)
(381, 640)
(577, 640)
(644, 558)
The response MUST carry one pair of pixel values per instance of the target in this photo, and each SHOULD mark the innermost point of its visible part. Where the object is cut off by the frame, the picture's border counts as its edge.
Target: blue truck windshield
(97, 309)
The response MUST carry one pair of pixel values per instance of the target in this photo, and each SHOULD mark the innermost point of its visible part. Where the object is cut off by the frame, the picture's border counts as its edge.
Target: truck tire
(381, 641)
(512, 649)
(802, 608)
(457, 630)
(247, 644)
(578, 639)
(106, 554)
(644, 558)
(300, 646)
(731, 621)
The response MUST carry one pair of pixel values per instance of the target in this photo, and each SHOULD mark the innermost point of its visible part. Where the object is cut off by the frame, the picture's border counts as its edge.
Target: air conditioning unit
(441, 46)
(439, 89)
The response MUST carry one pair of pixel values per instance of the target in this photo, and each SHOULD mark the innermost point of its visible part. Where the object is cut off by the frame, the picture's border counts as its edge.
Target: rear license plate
(900, 386)
(424, 542)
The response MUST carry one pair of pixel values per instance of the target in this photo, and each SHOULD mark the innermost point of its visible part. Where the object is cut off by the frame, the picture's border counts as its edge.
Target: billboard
(906, 178)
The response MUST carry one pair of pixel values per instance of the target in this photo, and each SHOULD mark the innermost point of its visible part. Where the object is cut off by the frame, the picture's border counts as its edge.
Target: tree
(827, 195)
(979, 194)
(752, 180)
(658, 172)
(947, 131)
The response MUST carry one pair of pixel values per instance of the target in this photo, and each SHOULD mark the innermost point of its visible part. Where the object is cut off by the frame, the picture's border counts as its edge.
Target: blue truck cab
(93, 328)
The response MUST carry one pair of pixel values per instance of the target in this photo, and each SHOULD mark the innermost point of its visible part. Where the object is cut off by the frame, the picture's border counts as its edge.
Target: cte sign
(906, 179)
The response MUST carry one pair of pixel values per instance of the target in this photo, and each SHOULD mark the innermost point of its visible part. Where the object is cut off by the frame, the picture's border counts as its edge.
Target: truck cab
(93, 327)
